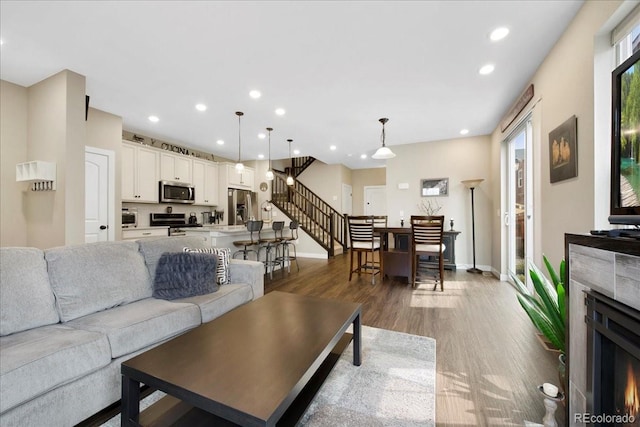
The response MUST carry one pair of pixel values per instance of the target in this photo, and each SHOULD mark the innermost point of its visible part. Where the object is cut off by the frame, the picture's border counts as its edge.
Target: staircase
(324, 224)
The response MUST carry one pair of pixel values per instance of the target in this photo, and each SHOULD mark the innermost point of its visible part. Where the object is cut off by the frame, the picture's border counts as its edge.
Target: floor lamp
(471, 184)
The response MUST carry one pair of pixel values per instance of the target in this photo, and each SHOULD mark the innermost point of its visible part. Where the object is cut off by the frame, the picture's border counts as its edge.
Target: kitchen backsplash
(145, 209)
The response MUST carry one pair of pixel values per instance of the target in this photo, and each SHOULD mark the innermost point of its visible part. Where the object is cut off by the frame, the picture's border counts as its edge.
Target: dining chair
(378, 221)
(363, 241)
(426, 239)
(254, 228)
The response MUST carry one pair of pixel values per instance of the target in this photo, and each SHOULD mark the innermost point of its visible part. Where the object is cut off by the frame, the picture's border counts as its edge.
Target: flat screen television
(625, 143)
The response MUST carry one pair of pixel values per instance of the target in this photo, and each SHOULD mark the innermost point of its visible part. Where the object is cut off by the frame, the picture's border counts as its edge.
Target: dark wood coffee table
(248, 365)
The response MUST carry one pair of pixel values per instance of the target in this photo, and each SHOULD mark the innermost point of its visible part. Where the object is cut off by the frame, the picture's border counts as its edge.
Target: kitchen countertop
(144, 228)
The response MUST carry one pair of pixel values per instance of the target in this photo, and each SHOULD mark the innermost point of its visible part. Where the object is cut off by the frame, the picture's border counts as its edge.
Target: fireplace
(613, 362)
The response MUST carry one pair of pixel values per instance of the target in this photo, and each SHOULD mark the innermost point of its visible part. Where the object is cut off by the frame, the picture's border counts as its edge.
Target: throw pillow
(182, 275)
(223, 254)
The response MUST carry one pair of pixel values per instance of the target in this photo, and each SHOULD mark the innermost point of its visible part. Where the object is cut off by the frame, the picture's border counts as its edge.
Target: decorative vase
(562, 370)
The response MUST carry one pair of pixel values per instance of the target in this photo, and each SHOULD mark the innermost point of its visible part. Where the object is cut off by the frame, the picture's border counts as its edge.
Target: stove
(175, 221)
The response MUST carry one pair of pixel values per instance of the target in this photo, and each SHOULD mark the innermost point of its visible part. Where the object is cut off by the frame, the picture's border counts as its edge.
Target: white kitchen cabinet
(140, 233)
(242, 180)
(174, 167)
(140, 171)
(205, 181)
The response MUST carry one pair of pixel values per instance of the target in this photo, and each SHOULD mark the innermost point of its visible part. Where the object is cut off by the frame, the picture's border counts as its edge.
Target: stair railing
(315, 216)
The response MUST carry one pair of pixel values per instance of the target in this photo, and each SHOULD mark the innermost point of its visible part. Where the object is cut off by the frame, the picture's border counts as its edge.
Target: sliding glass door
(518, 216)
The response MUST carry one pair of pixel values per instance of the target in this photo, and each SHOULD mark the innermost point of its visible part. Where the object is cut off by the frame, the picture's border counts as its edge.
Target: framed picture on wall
(563, 151)
(434, 187)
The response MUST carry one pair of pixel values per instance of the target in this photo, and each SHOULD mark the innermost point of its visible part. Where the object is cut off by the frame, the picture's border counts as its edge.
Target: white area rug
(394, 386)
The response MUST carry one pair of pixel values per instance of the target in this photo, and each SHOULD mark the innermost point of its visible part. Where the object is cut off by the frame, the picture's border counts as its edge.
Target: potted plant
(545, 306)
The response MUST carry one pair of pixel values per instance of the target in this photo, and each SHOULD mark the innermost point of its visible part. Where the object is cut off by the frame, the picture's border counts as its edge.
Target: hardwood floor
(489, 361)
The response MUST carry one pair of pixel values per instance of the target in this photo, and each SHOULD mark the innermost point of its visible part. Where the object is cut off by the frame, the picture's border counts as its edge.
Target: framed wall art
(434, 187)
(563, 151)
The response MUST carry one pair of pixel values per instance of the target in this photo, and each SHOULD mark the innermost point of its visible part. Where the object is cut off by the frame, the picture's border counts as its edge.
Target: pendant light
(239, 165)
(269, 171)
(383, 152)
(290, 178)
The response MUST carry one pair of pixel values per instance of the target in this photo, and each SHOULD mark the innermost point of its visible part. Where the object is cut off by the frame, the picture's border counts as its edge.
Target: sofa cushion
(26, 298)
(140, 324)
(223, 254)
(185, 274)
(153, 248)
(249, 272)
(96, 276)
(226, 299)
(38, 360)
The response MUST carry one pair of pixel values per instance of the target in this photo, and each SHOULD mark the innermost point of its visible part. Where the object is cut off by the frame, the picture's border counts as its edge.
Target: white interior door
(375, 200)
(98, 200)
(347, 199)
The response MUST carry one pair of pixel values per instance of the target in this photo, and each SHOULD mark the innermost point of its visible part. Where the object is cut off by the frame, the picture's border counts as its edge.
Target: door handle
(104, 227)
(506, 219)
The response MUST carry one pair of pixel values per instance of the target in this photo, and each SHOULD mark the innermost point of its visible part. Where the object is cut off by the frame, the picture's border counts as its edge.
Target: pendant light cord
(239, 114)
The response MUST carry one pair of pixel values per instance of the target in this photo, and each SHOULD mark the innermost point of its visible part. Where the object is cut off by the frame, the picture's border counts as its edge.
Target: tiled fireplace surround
(606, 265)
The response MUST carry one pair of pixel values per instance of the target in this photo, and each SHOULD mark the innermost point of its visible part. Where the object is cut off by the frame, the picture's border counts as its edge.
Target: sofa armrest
(249, 272)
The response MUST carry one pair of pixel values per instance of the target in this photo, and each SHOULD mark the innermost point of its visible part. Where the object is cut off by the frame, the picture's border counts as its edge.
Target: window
(626, 36)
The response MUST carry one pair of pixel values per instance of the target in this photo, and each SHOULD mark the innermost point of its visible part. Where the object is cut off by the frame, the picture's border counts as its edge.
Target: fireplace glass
(620, 378)
(613, 359)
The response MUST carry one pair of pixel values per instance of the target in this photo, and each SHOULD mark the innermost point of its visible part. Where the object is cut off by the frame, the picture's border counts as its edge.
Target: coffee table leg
(130, 402)
(357, 344)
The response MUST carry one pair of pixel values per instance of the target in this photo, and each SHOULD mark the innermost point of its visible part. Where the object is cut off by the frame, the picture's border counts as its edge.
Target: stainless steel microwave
(177, 192)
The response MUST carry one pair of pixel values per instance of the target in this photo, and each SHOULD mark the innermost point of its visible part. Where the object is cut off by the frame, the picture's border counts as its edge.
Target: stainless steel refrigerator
(242, 206)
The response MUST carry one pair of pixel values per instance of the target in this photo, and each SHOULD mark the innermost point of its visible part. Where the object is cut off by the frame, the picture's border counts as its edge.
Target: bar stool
(270, 248)
(252, 227)
(292, 240)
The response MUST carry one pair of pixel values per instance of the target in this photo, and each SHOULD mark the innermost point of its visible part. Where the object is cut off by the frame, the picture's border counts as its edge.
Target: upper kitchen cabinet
(205, 180)
(243, 180)
(175, 167)
(140, 172)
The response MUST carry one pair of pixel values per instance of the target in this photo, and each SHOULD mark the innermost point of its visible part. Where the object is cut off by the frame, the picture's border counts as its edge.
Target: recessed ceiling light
(154, 119)
(487, 69)
(201, 107)
(464, 131)
(1, 42)
(280, 111)
(296, 152)
(499, 34)
(262, 136)
(255, 94)
(363, 156)
(333, 148)
(261, 156)
(220, 142)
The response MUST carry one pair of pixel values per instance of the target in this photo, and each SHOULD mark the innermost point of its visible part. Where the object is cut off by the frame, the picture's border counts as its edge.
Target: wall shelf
(41, 175)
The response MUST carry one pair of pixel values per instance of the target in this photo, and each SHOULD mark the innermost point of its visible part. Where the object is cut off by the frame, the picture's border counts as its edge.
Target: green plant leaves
(546, 307)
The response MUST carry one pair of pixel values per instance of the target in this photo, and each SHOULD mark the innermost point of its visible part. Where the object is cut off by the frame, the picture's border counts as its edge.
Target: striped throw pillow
(224, 254)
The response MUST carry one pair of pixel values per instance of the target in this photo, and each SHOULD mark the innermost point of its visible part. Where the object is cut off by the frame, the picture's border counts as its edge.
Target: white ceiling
(335, 66)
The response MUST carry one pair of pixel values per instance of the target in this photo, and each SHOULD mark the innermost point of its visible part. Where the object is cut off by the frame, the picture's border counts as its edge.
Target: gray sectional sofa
(70, 315)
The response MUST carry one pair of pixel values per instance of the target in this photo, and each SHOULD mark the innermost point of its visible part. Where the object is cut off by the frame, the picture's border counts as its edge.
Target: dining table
(397, 252)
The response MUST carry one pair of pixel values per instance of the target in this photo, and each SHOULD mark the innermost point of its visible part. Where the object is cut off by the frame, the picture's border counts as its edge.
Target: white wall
(47, 122)
(13, 150)
(458, 160)
(564, 83)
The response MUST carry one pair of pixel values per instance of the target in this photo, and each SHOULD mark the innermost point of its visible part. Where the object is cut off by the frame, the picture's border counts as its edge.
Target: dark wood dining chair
(426, 239)
(362, 241)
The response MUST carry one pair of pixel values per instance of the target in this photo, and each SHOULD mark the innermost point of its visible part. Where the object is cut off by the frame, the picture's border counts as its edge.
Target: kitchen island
(223, 236)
